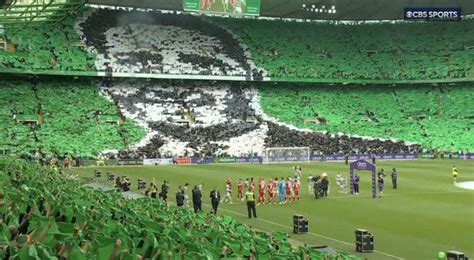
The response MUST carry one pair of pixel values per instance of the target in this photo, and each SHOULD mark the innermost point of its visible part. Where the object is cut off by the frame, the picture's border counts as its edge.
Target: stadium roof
(345, 9)
(21, 13)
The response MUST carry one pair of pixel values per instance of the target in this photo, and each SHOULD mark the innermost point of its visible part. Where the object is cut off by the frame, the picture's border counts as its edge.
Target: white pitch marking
(314, 234)
(398, 195)
(468, 185)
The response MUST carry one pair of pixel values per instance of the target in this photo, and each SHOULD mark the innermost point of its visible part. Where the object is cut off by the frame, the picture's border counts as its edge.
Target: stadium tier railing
(103, 74)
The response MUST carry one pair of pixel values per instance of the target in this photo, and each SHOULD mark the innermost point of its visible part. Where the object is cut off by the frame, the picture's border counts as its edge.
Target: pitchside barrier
(130, 162)
(269, 159)
(241, 159)
(212, 160)
(468, 156)
(394, 156)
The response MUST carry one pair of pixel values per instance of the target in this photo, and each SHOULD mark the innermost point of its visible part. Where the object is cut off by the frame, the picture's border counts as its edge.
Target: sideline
(397, 195)
(310, 233)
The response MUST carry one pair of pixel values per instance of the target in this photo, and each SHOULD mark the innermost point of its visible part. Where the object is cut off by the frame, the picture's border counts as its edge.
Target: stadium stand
(44, 48)
(329, 144)
(384, 51)
(46, 214)
(61, 118)
(219, 119)
(434, 117)
(198, 118)
(130, 41)
(138, 42)
(18, 108)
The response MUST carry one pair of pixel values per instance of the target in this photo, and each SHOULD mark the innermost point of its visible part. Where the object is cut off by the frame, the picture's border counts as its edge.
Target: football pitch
(425, 215)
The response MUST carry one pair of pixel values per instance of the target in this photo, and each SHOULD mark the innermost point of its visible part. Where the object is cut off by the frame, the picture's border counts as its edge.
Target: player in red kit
(296, 190)
(240, 190)
(271, 191)
(206, 4)
(288, 190)
(261, 191)
(228, 191)
(251, 185)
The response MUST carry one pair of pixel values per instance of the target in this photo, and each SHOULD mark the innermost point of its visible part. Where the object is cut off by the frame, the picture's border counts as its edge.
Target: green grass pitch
(425, 215)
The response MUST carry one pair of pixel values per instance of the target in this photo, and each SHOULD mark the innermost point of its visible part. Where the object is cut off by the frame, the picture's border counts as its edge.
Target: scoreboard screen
(229, 7)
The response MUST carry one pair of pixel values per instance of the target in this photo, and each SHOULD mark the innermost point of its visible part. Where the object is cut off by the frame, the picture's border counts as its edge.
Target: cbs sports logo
(433, 14)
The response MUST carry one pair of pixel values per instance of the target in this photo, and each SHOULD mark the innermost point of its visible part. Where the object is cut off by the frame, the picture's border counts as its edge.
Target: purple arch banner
(363, 165)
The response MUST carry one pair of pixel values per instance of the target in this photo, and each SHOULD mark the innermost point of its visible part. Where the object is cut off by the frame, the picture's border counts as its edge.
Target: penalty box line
(311, 233)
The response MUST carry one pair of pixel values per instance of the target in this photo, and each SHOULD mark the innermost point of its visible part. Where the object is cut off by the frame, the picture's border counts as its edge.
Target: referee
(455, 174)
(250, 198)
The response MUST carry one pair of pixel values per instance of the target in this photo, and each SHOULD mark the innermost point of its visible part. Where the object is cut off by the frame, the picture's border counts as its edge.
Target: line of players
(272, 191)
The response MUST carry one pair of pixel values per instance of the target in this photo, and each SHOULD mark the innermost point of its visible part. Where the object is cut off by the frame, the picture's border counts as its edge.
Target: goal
(286, 154)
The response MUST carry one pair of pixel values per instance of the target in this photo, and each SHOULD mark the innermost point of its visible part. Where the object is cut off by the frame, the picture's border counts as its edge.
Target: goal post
(286, 154)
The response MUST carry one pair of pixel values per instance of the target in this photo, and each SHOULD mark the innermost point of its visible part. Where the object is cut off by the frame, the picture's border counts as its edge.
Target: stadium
(237, 129)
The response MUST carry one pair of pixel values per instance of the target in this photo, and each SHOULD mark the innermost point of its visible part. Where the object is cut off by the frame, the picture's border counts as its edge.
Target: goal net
(286, 154)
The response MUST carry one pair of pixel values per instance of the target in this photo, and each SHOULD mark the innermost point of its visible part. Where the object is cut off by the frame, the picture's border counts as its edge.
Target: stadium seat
(384, 51)
(43, 48)
(193, 45)
(380, 112)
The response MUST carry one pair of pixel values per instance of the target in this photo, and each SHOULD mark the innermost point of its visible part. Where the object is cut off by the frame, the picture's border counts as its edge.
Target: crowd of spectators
(330, 144)
(369, 51)
(221, 119)
(443, 121)
(131, 41)
(48, 215)
(62, 118)
(148, 42)
(198, 118)
(165, 119)
(39, 48)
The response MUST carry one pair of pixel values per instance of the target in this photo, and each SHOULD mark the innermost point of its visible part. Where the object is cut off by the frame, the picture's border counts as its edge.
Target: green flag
(76, 252)
(104, 246)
